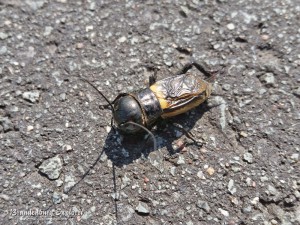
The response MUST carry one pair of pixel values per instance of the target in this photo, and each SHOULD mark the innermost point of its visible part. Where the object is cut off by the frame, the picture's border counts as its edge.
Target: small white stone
(48, 30)
(224, 212)
(30, 128)
(122, 39)
(89, 28)
(255, 200)
(180, 160)
(230, 26)
(68, 147)
(108, 129)
(201, 175)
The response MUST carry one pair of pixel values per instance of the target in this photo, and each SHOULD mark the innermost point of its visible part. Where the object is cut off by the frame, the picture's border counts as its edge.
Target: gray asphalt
(60, 161)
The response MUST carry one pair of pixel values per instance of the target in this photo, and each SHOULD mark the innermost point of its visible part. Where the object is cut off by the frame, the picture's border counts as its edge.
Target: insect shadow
(124, 149)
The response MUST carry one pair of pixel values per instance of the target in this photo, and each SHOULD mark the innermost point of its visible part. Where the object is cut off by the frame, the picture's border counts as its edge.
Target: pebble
(203, 205)
(59, 183)
(146, 180)
(201, 175)
(173, 171)
(255, 200)
(79, 45)
(223, 212)
(156, 160)
(51, 167)
(268, 79)
(56, 198)
(88, 214)
(291, 199)
(108, 129)
(122, 39)
(248, 181)
(103, 157)
(69, 182)
(243, 134)
(68, 148)
(222, 106)
(109, 163)
(179, 144)
(62, 96)
(6, 184)
(48, 30)
(92, 6)
(3, 35)
(6, 123)
(4, 197)
(3, 50)
(89, 28)
(30, 128)
(230, 26)
(32, 96)
(247, 209)
(231, 187)
(265, 37)
(248, 157)
(180, 160)
(264, 179)
(295, 157)
(142, 208)
(236, 169)
(115, 196)
(210, 171)
(125, 181)
(35, 4)
(273, 221)
(226, 87)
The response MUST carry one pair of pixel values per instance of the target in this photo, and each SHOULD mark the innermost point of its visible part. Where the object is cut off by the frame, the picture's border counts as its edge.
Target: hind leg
(200, 66)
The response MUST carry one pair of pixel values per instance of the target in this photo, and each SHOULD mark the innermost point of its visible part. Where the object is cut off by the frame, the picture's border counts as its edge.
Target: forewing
(177, 90)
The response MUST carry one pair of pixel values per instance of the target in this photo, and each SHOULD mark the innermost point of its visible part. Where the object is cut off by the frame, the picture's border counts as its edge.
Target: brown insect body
(174, 95)
(181, 93)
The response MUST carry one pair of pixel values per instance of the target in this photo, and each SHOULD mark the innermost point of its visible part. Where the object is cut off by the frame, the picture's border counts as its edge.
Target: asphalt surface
(60, 161)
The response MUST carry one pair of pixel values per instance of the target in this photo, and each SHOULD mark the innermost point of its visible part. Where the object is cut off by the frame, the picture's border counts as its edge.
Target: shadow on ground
(133, 147)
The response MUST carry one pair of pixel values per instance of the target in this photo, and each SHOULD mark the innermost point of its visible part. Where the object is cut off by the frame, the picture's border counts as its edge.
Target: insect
(174, 95)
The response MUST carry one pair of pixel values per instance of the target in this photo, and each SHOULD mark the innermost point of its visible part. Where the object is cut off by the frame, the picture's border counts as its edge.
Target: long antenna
(112, 108)
(145, 129)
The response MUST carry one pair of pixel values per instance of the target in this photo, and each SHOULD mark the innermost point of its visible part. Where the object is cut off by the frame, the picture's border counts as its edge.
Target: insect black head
(127, 109)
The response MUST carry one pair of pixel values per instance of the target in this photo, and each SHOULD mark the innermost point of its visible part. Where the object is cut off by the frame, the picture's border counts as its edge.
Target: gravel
(51, 167)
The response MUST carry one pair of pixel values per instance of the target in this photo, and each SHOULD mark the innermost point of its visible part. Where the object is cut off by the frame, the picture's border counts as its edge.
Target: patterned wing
(178, 94)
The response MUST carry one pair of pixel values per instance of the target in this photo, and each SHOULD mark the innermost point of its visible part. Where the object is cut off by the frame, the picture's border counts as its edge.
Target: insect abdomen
(179, 94)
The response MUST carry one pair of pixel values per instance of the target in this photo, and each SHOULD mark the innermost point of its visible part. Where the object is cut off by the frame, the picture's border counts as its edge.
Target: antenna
(112, 108)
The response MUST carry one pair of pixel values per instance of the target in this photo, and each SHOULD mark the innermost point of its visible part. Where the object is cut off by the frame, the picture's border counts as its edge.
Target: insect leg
(199, 66)
(112, 125)
(188, 134)
(185, 68)
(203, 68)
(153, 77)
